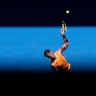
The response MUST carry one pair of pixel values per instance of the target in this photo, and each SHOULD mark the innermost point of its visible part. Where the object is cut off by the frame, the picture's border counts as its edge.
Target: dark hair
(46, 51)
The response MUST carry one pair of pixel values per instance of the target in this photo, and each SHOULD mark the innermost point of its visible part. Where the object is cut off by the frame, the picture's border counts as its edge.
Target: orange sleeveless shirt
(61, 62)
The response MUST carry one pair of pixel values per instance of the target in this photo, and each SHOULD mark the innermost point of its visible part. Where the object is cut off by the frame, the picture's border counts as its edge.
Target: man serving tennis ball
(58, 61)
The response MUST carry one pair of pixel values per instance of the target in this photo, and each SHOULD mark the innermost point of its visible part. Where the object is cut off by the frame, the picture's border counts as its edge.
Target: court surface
(21, 48)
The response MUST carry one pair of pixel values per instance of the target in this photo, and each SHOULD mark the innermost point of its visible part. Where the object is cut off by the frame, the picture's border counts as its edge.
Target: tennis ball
(67, 11)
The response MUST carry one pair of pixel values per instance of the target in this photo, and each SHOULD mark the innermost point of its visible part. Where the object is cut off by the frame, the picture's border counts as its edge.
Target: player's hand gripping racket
(64, 26)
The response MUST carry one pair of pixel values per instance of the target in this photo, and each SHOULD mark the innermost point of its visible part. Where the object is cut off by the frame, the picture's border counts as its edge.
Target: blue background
(21, 48)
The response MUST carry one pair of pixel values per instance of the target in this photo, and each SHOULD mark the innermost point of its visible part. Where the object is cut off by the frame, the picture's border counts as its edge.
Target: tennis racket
(64, 25)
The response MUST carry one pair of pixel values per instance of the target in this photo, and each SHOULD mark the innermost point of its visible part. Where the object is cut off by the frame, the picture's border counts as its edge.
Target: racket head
(64, 25)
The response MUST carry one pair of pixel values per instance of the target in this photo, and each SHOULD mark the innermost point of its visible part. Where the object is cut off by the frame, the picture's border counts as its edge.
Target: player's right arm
(66, 43)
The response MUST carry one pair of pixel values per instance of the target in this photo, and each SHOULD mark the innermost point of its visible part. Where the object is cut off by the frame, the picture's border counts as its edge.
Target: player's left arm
(66, 42)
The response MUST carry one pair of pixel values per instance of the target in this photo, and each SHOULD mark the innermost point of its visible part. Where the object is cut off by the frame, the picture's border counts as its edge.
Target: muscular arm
(66, 43)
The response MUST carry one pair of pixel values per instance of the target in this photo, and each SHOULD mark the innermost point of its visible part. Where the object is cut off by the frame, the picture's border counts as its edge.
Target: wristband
(66, 40)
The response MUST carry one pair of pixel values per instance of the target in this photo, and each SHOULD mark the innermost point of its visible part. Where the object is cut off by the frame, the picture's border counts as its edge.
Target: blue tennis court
(21, 48)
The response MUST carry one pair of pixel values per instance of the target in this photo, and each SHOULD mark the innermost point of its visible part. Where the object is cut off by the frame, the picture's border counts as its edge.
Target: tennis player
(58, 61)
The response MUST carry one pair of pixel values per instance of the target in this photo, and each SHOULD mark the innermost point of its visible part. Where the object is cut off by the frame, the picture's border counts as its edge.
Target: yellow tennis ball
(67, 11)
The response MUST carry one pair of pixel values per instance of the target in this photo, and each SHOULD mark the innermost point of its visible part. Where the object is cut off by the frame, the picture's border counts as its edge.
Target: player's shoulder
(57, 52)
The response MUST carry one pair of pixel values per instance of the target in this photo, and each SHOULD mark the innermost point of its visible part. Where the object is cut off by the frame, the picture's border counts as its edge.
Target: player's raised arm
(66, 43)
